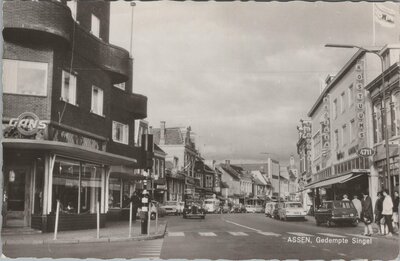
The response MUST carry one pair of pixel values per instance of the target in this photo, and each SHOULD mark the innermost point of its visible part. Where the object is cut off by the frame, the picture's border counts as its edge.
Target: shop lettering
(27, 123)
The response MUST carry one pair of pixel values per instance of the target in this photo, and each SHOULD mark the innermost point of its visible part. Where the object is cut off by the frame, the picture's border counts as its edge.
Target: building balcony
(50, 22)
(133, 103)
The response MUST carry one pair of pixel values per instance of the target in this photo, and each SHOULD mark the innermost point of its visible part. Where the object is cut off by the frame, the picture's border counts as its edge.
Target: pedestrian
(366, 214)
(379, 220)
(396, 210)
(357, 205)
(345, 197)
(135, 204)
(387, 211)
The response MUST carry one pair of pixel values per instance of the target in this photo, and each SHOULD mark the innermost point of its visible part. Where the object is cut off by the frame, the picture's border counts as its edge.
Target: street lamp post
(384, 114)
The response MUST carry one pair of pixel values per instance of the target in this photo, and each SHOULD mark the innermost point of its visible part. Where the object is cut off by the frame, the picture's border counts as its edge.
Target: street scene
(201, 130)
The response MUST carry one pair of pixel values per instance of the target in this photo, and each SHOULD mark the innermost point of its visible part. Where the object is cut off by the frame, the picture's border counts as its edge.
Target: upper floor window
(377, 121)
(120, 132)
(23, 77)
(317, 145)
(351, 95)
(353, 130)
(120, 85)
(342, 102)
(97, 101)
(335, 109)
(336, 139)
(95, 28)
(344, 135)
(68, 87)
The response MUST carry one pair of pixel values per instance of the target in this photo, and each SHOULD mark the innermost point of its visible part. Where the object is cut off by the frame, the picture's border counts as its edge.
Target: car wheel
(328, 223)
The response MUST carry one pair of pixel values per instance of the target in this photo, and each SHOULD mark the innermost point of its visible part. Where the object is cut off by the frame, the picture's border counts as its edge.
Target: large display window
(119, 193)
(76, 185)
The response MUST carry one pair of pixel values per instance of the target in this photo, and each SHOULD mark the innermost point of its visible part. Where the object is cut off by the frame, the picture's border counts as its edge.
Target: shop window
(90, 187)
(76, 185)
(23, 77)
(95, 29)
(114, 194)
(68, 88)
(120, 132)
(97, 101)
(66, 185)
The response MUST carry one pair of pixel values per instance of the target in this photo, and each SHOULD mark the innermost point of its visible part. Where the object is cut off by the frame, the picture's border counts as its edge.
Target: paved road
(230, 236)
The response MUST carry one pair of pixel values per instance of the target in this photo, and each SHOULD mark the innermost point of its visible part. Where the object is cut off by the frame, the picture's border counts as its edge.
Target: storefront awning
(328, 182)
(71, 150)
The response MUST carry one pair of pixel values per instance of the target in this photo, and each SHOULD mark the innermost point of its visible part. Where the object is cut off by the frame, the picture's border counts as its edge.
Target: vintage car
(292, 210)
(194, 208)
(172, 207)
(212, 205)
(336, 212)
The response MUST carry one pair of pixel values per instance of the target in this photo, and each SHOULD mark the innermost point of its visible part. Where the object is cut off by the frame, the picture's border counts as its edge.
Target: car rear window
(343, 204)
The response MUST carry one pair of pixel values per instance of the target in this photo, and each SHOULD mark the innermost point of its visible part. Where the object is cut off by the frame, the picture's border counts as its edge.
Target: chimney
(162, 133)
(228, 162)
(213, 164)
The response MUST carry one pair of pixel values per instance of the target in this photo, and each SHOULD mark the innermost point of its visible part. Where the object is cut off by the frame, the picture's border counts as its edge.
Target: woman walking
(367, 214)
(379, 220)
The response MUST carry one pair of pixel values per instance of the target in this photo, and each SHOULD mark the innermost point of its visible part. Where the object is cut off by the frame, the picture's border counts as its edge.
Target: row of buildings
(357, 110)
(73, 129)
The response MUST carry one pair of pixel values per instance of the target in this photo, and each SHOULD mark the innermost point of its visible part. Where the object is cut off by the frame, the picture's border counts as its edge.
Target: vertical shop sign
(305, 133)
(360, 103)
(326, 129)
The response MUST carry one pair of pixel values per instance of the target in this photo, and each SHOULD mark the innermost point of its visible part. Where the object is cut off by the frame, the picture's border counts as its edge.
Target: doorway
(17, 200)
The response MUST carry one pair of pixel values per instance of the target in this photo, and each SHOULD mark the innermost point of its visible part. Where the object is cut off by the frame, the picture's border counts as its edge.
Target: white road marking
(269, 233)
(341, 254)
(325, 249)
(299, 234)
(238, 233)
(207, 234)
(176, 234)
(331, 235)
(257, 230)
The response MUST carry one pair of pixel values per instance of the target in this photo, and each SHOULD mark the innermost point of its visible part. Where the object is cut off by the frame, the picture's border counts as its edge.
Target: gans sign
(27, 123)
(366, 152)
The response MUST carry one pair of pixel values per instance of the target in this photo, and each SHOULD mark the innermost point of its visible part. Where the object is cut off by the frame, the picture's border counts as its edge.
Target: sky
(241, 74)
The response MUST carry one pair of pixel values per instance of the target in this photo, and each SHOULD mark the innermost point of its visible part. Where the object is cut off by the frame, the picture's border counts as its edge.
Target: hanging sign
(360, 103)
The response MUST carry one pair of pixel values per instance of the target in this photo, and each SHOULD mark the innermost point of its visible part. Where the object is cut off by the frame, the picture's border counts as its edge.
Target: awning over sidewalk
(68, 149)
(331, 181)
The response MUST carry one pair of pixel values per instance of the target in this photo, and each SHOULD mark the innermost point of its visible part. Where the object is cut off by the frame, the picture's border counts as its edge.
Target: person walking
(396, 210)
(387, 211)
(367, 214)
(378, 214)
(357, 205)
(135, 205)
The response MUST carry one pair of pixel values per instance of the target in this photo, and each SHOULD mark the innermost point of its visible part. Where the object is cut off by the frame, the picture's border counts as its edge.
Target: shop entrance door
(17, 197)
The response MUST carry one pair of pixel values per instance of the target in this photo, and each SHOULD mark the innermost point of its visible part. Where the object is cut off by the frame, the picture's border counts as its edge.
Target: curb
(88, 240)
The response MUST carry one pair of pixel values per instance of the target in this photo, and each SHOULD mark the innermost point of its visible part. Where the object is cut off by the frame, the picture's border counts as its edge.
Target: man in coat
(367, 214)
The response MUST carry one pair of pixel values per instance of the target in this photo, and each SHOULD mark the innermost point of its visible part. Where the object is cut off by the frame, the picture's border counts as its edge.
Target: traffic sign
(366, 152)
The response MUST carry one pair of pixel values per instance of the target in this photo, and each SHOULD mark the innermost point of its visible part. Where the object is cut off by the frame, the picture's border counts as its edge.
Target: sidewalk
(113, 232)
(359, 229)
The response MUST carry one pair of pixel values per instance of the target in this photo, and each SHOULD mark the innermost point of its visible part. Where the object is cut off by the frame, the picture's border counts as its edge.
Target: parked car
(270, 207)
(238, 209)
(172, 207)
(155, 206)
(250, 209)
(225, 209)
(212, 205)
(291, 209)
(336, 212)
(259, 209)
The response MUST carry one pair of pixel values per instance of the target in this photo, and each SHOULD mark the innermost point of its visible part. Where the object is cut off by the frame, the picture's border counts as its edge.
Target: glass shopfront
(119, 193)
(76, 185)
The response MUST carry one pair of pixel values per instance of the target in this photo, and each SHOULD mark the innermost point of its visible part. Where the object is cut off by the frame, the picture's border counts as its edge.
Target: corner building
(68, 115)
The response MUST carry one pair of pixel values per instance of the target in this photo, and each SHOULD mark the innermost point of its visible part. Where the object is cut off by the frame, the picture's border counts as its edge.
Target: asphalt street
(231, 236)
